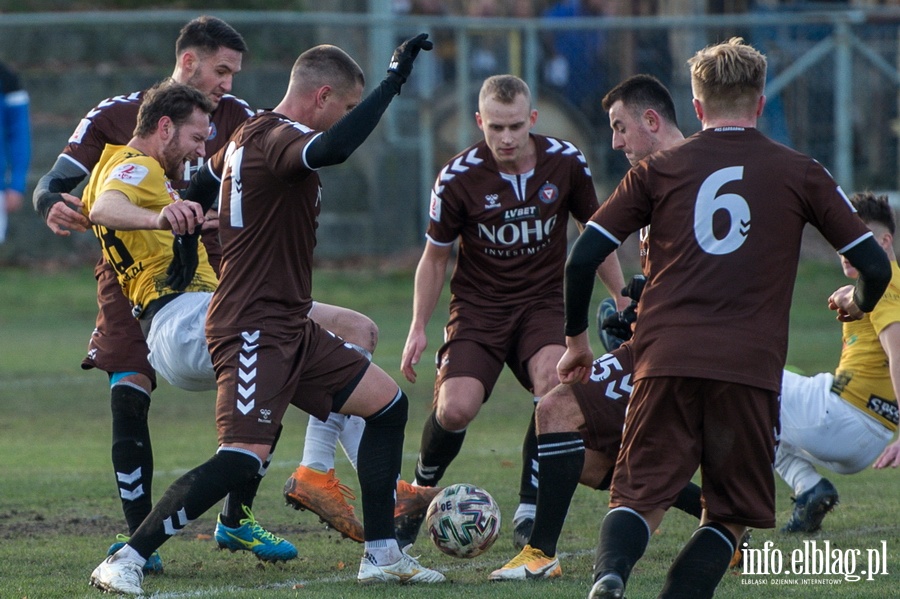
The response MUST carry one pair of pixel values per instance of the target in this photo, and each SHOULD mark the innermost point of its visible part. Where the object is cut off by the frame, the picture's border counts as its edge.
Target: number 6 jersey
(728, 207)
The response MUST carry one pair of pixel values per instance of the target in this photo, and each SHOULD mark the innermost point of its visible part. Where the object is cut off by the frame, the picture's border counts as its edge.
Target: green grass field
(59, 511)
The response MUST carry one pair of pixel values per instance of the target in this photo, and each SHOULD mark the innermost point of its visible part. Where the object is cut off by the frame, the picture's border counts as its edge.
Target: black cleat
(811, 506)
(610, 586)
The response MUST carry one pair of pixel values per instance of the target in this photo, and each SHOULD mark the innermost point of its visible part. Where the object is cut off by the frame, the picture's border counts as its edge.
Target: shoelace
(526, 557)
(258, 530)
(335, 483)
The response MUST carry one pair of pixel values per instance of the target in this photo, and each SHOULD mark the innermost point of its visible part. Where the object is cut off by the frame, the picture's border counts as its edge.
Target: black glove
(184, 261)
(619, 324)
(635, 288)
(405, 54)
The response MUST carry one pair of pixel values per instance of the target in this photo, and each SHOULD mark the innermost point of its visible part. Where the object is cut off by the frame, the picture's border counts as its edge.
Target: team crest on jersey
(212, 132)
(548, 193)
(491, 200)
(132, 174)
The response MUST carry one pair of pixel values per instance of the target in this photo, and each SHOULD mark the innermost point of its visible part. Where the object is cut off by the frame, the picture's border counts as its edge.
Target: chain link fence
(832, 93)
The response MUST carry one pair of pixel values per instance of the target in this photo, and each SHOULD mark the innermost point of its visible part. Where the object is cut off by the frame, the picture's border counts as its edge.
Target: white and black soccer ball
(463, 520)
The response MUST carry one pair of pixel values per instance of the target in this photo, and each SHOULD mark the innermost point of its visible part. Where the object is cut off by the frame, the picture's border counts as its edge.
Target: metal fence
(832, 92)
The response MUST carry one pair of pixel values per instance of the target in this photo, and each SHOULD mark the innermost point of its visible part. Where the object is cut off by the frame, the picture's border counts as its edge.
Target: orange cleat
(324, 495)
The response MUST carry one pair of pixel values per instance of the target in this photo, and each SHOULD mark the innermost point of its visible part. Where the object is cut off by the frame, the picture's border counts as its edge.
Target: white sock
(384, 551)
(350, 437)
(799, 474)
(130, 554)
(321, 441)
(523, 512)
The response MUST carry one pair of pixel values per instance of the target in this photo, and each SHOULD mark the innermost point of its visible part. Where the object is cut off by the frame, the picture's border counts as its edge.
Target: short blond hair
(504, 89)
(728, 77)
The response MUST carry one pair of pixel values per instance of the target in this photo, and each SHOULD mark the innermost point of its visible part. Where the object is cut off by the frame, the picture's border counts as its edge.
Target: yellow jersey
(140, 258)
(863, 375)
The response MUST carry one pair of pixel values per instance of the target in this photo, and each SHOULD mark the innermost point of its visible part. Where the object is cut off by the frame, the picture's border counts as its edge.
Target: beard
(173, 159)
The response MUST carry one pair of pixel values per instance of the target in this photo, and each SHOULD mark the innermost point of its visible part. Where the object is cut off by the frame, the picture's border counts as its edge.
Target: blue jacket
(15, 132)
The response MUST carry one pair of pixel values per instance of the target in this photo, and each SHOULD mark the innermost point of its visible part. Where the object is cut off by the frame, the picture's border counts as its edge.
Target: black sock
(380, 456)
(528, 484)
(439, 448)
(624, 536)
(688, 501)
(701, 564)
(192, 495)
(561, 457)
(233, 510)
(132, 454)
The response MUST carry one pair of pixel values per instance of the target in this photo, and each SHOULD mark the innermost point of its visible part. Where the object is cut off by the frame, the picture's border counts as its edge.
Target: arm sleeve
(204, 188)
(590, 249)
(62, 178)
(874, 268)
(335, 145)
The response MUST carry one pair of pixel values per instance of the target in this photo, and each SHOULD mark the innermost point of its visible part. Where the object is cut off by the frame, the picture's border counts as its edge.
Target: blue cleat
(250, 536)
(154, 563)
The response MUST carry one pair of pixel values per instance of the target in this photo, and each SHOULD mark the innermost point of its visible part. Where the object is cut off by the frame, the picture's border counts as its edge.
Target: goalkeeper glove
(405, 54)
(184, 261)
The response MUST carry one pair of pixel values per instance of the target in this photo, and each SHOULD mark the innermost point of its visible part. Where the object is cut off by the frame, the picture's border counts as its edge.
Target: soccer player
(130, 192)
(507, 201)
(579, 427)
(209, 54)
(15, 144)
(270, 199)
(844, 421)
(728, 207)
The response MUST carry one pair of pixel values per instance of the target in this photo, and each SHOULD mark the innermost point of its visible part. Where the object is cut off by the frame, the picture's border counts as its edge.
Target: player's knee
(237, 466)
(361, 331)
(394, 414)
(128, 402)
(557, 412)
(454, 417)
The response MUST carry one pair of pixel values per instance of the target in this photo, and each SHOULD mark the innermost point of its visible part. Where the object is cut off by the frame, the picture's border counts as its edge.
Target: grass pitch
(59, 511)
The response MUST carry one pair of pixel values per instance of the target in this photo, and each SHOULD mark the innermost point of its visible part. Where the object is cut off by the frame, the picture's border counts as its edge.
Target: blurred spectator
(15, 144)
(489, 54)
(576, 52)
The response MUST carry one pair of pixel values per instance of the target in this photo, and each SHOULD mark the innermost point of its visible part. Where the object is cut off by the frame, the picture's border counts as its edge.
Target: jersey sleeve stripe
(855, 243)
(605, 233)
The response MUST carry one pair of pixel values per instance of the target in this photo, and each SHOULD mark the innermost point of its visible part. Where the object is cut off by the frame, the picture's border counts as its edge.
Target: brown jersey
(268, 209)
(113, 120)
(728, 208)
(512, 228)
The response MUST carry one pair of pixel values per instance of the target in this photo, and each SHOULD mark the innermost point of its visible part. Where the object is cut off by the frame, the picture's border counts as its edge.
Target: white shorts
(820, 427)
(177, 342)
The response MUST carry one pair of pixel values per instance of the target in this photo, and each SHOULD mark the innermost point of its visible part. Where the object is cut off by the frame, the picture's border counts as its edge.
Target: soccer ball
(463, 520)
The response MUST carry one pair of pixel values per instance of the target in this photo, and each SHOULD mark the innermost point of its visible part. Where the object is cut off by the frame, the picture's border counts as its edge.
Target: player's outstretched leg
(323, 494)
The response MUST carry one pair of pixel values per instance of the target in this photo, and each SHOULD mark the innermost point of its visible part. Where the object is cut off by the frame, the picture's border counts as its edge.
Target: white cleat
(404, 571)
(118, 576)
